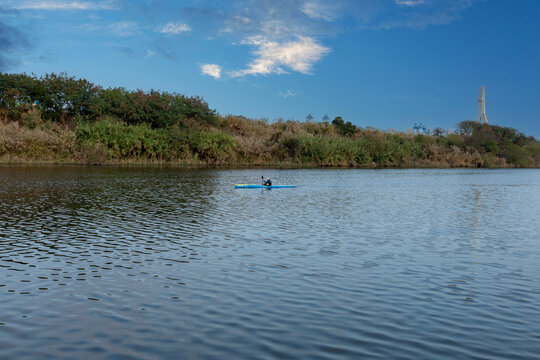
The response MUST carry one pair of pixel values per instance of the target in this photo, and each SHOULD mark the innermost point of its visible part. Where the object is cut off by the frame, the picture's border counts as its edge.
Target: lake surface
(131, 263)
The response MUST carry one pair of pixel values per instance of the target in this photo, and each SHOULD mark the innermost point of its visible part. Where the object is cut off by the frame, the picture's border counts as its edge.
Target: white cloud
(124, 28)
(149, 54)
(280, 19)
(212, 70)
(273, 57)
(65, 5)
(318, 11)
(174, 28)
(283, 19)
(409, 2)
(283, 35)
(286, 94)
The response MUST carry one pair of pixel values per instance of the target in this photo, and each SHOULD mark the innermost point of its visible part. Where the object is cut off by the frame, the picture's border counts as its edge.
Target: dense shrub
(211, 146)
(342, 127)
(141, 141)
(125, 141)
(61, 97)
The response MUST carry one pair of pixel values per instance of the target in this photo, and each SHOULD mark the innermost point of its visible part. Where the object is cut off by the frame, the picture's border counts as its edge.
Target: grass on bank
(57, 118)
(237, 140)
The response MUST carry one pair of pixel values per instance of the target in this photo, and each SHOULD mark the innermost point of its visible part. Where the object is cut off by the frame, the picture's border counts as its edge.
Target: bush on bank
(57, 118)
(61, 98)
(140, 141)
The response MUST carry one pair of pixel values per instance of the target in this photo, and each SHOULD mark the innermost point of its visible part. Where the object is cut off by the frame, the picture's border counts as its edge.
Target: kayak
(258, 186)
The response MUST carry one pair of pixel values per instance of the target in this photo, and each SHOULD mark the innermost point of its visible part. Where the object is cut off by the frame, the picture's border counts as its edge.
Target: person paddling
(268, 182)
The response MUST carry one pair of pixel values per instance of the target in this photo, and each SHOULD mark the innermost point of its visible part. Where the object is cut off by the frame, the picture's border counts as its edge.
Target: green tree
(342, 127)
(438, 131)
(490, 146)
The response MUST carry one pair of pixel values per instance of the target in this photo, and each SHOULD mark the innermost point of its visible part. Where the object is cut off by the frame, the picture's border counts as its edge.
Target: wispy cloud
(417, 14)
(124, 28)
(212, 70)
(315, 18)
(284, 35)
(280, 19)
(409, 2)
(286, 94)
(12, 41)
(138, 53)
(174, 28)
(63, 5)
(289, 35)
(272, 57)
(318, 10)
(125, 50)
(281, 36)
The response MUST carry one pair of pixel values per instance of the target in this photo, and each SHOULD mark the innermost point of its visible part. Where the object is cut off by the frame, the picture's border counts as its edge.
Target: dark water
(163, 263)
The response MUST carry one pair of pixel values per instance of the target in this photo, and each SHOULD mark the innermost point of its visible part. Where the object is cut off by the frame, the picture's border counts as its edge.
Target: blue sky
(381, 63)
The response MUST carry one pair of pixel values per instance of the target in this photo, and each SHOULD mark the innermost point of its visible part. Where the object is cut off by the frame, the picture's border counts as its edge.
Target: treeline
(61, 98)
(57, 118)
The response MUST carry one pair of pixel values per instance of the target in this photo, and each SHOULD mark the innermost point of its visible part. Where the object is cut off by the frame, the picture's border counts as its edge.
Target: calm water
(165, 263)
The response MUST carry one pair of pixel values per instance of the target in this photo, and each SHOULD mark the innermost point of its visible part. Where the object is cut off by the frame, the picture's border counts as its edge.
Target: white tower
(482, 106)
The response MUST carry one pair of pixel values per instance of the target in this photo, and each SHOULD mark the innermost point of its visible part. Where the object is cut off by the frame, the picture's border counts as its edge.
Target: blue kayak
(257, 186)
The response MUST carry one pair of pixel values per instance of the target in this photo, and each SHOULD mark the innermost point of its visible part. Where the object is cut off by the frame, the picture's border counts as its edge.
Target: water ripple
(164, 263)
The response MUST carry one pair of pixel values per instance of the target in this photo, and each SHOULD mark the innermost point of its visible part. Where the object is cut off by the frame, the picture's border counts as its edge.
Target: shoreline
(232, 166)
(89, 125)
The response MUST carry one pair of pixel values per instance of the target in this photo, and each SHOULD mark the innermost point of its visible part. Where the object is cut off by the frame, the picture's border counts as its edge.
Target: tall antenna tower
(482, 106)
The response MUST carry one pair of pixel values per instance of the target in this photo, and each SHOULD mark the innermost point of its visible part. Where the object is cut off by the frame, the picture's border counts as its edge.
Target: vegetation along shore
(61, 119)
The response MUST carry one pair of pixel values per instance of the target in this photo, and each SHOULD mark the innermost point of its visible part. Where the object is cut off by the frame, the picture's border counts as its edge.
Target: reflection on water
(168, 263)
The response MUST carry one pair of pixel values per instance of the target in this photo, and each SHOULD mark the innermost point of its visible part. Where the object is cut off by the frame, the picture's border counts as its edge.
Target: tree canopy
(62, 97)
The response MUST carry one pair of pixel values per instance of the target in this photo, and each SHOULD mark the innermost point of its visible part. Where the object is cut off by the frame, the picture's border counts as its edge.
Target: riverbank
(62, 120)
(238, 141)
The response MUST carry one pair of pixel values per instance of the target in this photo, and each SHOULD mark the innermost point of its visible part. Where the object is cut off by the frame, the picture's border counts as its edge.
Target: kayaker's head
(267, 179)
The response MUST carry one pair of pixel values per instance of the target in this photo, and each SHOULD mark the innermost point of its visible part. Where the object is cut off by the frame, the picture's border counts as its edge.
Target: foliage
(159, 109)
(60, 118)
(490, 146)
(124, 141)
(342, 127)
(505, 142)
(211, 146)
(438, 131)
(140, 141)
(45, 142)
(62, 97)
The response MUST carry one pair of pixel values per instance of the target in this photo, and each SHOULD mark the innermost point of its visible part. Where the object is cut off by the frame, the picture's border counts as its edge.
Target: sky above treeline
(380, 63)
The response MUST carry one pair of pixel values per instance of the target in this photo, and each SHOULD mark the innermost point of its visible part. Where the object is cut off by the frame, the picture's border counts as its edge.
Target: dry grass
(454, 156)
(46, 143)
(241, 141)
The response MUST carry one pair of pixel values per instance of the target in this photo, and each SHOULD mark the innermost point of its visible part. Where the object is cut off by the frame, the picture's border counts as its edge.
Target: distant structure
(309, 118)
(325, 118)
(419, 128)
(482, 119)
